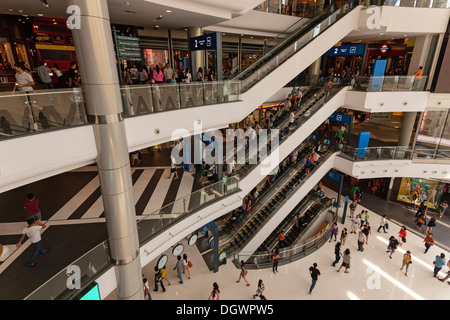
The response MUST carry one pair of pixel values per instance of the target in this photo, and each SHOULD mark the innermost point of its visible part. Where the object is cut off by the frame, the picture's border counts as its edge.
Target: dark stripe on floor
(84, 207)
(147, 194)
(173, 189)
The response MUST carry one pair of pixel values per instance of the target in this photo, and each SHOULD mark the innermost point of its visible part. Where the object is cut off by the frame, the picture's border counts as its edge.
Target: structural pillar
(407, 129)
(95, 52)
(197, 56)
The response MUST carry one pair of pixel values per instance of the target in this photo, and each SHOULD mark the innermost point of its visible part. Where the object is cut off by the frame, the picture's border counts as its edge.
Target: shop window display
(422, 189)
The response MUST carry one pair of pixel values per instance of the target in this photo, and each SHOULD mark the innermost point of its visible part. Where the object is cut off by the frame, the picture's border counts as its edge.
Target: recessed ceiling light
(44, 3)
(40, 15)
(168, 11)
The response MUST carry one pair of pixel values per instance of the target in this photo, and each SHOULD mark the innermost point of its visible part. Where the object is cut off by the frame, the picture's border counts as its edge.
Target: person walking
(353, 206)
(164, 274)
(431, 223)
(442, 207)
(186, 265)
(344, 236)
(383, 224)
(429, 241)
(367, 231)
(215, 292)
(33, 232)
(334, 231)
(243, 273)
(259, 290)
(337, 254)
(158, 280)
(43, 73)
(407, 260)
(355, 224)
(361, 240)
(346, 258)
(439, 262)
(173, 168)
(31, 206)
(402, 235)
(420, 221)
(393, 244)
(315, 273)
(146, 289)
(275, 260)
(180, 267)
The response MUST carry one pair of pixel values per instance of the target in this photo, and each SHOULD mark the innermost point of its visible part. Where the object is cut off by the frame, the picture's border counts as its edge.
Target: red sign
(384, 48)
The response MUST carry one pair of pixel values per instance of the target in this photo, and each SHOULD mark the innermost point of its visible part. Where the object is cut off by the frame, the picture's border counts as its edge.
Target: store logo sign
(74, 20)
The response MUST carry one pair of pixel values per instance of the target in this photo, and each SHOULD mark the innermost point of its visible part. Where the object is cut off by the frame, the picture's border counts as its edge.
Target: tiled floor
(373, 276)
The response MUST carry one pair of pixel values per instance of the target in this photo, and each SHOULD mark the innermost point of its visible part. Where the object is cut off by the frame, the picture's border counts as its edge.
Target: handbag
(190, 264)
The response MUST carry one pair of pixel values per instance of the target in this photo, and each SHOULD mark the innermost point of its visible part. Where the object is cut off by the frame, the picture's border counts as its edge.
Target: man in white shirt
(173, 167)
(24, 81)
(383, 223)
(33, 231)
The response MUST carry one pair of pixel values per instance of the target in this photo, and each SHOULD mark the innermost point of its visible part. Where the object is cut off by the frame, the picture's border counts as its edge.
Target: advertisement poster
(425, 189)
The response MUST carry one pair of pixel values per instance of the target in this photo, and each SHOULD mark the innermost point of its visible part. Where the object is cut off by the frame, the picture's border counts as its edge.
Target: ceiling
(185, 13)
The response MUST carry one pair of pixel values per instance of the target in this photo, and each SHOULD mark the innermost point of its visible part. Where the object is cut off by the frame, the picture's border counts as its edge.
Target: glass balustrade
(146, 99)
(418, 3)
(40, 111)
(388, 83)
(297, 250)
(91, 265)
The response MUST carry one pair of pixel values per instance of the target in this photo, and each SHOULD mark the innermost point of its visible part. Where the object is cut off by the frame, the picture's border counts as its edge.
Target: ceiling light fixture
(45, 3)
(168, 11)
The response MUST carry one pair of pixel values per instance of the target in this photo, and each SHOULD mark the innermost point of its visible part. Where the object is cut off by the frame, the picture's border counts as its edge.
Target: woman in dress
(186, 265)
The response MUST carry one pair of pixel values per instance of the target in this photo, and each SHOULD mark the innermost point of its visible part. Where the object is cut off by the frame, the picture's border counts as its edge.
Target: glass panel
(40, 111)
(89, 265)
(388, 83)
(139, 100)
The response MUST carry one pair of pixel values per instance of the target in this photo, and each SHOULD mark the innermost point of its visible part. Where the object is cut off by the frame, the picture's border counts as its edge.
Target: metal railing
(262, 260)
(146, 99)
(388, 83)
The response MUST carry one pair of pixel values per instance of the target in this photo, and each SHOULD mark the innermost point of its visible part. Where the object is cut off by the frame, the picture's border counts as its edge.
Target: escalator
(272, 241)
(266, 209)
(293, 40)
(296, 230)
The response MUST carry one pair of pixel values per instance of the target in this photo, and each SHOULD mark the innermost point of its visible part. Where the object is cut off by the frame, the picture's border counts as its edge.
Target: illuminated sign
(384, 48)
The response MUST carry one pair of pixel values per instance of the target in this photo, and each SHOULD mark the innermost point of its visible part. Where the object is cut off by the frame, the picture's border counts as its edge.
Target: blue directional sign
(340, 117)
(205, 42)
(350, 50)
(336, 176)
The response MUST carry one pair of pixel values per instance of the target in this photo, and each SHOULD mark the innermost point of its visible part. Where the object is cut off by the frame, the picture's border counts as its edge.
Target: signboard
(128, 48)
(339, 117)
(205, 42)
(379, 68)
(384, 48)
(349, 50)
(334, 175)
(91, 292)
(363, 143)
